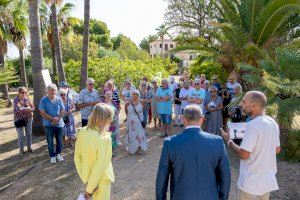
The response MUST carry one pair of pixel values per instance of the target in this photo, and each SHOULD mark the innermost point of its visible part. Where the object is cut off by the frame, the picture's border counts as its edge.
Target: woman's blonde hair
(101, 117)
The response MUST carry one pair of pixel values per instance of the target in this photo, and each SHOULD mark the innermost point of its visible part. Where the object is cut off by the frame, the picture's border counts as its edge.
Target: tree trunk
(85, 45)
(54, 66)
(4, 87)
(22, 69)
(37, 64)
(54, 24)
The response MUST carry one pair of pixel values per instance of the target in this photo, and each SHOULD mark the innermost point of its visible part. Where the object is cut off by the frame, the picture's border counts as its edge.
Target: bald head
(257, 98)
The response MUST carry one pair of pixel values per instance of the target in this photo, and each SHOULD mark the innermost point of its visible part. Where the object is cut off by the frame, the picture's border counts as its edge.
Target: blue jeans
(145, 115)
(51, 132)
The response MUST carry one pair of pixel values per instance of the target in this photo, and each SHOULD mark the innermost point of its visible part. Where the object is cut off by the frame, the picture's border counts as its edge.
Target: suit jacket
(197, 164)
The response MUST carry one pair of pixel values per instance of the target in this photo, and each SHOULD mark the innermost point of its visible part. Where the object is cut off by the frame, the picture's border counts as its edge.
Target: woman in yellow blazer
(93, 153)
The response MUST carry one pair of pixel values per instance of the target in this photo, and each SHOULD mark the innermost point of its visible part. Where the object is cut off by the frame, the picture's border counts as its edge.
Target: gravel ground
(135, 175)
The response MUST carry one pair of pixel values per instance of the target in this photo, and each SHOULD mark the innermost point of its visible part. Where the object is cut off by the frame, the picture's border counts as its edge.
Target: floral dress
(136, 135)
(69, 129)
(113, 127)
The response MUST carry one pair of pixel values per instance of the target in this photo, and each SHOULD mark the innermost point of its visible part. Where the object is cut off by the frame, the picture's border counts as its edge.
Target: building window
(166, 47)
(171, 46)
(160, 45)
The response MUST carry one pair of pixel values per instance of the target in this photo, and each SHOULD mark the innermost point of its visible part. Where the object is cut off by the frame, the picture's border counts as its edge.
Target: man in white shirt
(257, 151)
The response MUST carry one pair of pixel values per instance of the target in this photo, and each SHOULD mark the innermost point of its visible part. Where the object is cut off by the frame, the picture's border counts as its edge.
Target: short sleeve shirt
(52, 108)
(126, 94)
(198, 94)
(257, 174)
(231, 86)
(86, 96)
(164, 107)
(185, 93)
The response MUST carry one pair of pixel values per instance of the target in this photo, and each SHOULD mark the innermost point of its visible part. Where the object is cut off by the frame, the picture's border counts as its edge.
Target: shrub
(119, 70)
(209, 68)
(291, 149)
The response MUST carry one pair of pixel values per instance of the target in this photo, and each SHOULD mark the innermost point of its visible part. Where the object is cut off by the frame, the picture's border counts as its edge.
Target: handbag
(142, 122)
(20, 123)
(207, 115)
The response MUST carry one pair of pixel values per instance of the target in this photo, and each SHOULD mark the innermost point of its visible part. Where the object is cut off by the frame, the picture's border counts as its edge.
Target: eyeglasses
(91, 83)
(196, 83)
(108, 94)
(23, 92)
(135, 94)
(213, 91)
(154, 82)
(62, 94)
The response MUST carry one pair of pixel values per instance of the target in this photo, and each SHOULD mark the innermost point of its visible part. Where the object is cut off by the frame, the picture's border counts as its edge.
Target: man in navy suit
(196, 161)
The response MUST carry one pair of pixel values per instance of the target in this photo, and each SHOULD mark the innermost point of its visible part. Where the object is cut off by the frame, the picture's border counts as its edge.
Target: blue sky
(134, 18)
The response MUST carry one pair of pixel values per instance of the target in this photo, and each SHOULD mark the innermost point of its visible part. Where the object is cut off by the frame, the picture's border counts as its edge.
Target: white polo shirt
(257, 173)
(185, 93)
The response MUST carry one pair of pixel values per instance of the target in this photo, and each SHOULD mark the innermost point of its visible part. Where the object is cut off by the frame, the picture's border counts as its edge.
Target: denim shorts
(166, 119)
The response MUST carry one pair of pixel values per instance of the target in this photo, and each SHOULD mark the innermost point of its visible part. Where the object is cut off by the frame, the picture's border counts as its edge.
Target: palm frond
(249, 10)
(271, 18)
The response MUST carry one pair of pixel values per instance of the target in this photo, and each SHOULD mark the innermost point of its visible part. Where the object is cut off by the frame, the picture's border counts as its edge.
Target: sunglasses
(213, 91)
(196, 83)
(63, 95)
(135, 94)
(91, 83)
(23, 92)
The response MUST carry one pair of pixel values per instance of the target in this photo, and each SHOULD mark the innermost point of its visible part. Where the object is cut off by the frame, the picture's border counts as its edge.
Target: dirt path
(135, 175)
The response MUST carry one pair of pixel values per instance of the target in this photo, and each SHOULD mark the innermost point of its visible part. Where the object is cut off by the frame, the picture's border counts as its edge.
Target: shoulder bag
(142, 122)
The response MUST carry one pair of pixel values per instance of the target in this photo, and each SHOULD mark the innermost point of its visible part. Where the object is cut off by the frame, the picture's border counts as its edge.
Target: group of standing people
(199, 169)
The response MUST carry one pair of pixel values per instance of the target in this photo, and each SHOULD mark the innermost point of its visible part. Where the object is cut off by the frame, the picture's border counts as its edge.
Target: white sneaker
(59, 157)
(52, 160)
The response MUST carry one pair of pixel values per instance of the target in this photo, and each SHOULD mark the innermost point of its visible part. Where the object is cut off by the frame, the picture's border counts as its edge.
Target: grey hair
(135, 91)
(51, 87)
(258, 98)
(164, 80)
(192, 113)
(238, 87)
(213, 87)
(197, 80)
(90, 80)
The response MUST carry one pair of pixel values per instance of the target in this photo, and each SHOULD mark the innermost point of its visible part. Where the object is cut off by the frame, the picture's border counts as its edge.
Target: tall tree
(191, 17)
(85, 45)
(18, 35)
(162, 30)
(5, 24)
(39, 86)
(57, 46)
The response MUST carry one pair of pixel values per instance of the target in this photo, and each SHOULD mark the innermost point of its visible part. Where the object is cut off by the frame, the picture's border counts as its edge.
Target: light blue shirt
(164, 107)
(198, 94)
(52, 108)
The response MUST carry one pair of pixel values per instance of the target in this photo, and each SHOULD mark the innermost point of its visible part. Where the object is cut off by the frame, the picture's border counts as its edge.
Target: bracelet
(228, 143)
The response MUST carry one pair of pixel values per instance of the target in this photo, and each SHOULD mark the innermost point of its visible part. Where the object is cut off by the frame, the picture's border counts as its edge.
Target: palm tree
(39, 86)
(18, 35)
(85, 46)
(254, 25)
(281, 83)
(162, 30)
(55, 31)
(5, 24)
